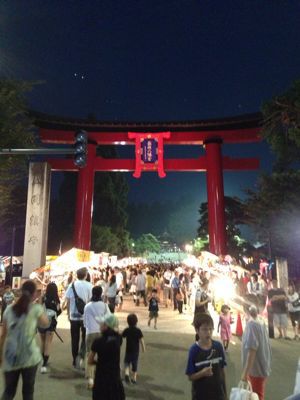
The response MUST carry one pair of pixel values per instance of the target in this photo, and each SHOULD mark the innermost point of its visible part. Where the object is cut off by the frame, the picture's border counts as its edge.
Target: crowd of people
(92, 300)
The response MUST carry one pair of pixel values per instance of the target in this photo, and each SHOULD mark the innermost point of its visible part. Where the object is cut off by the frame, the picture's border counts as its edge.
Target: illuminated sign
(149, 150)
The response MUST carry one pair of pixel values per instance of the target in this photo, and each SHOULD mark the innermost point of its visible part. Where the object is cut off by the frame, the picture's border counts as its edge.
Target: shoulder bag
(80, 304)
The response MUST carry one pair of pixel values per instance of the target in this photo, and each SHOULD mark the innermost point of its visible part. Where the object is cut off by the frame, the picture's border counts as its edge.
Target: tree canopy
(274, 212)
(274, 209)
(234, 217)
(281, 126)
(16, 131)
(104, 239)
(147, 243)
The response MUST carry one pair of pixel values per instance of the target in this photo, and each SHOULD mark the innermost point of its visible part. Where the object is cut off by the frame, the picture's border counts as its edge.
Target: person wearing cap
(256, 353)
(107, 384)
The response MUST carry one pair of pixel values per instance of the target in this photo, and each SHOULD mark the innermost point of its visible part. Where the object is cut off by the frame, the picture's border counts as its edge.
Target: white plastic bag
(117, 300)
(297, 383)
(243, 392)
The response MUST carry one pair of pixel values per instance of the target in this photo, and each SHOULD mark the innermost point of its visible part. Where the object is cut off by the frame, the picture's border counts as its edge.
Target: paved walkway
(162, 366)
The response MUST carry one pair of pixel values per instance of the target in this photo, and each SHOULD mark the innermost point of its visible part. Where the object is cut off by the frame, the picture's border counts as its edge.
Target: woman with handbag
(256, 353)
(294, 309)
(51, 303)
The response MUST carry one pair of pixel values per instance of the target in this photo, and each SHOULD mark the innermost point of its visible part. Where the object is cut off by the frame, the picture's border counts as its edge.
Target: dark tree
(104, 239)
(16, 131)
(281, 127)
(273, 210)
(147, 243)
(234, 217)
(274, 213)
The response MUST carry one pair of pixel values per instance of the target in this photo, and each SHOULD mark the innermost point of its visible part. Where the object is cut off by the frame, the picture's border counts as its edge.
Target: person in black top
(107, 384)
(153, 308)
(52, 305)
(134, 337)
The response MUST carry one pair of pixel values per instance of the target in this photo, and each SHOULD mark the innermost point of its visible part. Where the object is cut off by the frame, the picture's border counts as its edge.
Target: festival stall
(60, 268)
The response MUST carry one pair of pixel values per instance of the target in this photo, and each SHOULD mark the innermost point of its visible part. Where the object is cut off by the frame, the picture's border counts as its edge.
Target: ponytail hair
(22, 305)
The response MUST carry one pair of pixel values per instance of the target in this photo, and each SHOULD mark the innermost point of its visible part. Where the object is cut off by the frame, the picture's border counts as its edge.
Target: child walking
(206, 362)
(134, 337)
(153, 308)
(224, 324)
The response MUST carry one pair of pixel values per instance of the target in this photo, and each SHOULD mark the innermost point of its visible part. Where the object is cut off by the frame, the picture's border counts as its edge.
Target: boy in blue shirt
(206, 362)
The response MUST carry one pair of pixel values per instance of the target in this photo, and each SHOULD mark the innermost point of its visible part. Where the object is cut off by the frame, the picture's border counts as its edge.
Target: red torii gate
(210, 133)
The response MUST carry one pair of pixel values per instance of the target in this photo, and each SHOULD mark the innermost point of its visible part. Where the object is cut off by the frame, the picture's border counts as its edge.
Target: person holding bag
(243, 392)
(256, 353)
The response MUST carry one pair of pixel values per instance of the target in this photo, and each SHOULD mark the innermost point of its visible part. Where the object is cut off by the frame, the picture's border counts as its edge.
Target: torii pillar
(215, 197)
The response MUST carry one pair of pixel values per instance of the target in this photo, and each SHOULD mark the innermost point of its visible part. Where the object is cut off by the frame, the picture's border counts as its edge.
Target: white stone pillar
(282, 273)
(37, 216)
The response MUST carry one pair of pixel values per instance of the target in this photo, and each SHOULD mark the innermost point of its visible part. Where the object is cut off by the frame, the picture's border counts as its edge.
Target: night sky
(155, 60)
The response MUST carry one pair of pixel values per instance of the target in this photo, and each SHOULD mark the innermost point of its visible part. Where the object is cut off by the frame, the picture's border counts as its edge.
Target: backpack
(51, 314)
(296, 303)
(80, 304)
